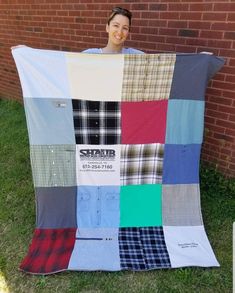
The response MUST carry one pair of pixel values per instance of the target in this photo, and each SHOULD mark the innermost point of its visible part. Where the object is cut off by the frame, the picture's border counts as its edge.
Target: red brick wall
(158, 26)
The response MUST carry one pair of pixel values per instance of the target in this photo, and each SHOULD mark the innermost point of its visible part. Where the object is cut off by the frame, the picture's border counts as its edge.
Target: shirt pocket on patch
(112, 201)
(83, 201)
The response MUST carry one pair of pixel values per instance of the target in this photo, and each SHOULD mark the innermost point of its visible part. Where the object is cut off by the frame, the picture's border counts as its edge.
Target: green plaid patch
(149, 78)
(141, 163)
(53, 165)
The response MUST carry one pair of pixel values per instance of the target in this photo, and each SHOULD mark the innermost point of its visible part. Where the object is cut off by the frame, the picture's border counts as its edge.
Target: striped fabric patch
(139, 77)
(53, 165)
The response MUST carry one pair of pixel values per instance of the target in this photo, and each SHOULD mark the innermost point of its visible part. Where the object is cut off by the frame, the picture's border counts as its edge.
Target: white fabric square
(42, 73)
(189, 246)
(95, 249)
(95, 77)
(98, 164)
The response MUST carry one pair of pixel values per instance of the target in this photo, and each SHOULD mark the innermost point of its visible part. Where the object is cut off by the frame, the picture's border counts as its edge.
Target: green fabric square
(141, 205)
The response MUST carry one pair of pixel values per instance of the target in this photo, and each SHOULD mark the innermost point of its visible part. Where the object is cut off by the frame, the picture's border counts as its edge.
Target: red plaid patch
(49, 251)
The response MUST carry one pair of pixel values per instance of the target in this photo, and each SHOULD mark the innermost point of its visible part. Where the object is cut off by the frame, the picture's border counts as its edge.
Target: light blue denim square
(98, 206)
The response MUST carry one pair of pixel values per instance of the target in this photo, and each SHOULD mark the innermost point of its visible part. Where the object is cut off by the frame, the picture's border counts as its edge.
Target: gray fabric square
(191, 75)
(56, 207)
(181, 205)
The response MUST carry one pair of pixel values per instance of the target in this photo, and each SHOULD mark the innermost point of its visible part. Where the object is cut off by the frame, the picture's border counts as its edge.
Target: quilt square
(96, 77)
(42, 73)
(49, 251)
(54, 122)
(143, 248)
(53, 165)
(56, 207)
(181, 164)
(147, 77)
(143, 122)
(96, 122)
(191, 75)
(98, 164)
(95, 249)
(141, 164)
(140, 205)
(182, 116)
(189, 246)
(98, 206)
(181, 205)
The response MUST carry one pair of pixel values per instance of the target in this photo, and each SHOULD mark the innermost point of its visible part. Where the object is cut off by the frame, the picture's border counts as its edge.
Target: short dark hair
(122, 11)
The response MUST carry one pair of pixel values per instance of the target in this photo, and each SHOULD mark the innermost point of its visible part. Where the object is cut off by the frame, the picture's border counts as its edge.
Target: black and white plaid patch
(96, 122)
(141, 163)
(143, 248)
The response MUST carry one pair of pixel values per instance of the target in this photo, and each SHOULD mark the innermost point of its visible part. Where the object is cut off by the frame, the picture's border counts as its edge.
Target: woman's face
(118, 29)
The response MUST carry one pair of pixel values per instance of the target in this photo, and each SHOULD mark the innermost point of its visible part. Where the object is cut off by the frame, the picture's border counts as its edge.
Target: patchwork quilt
(115, 145)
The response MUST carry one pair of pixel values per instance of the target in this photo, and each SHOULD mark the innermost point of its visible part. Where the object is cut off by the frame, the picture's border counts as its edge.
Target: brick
(230, 78)
(229, 35)
(231, 17)
(226, 124)
(211, 34)
(177, 24)
(224, 7)
(214, 16)
(217, 114)
(188, 33)
(157, 23)
(220, 100)
(175, 40)
(220, 44)
(191, 15)
(196, 42)
(139, 6)
(224, 26)
(179, 7)
(158, 7)
(223, 85)
(223, 137)
(169, 15)
(201, 7)
(168, 31)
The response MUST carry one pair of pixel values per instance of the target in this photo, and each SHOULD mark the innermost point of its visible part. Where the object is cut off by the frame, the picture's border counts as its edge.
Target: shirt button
(96, 135)
(96, 110)
(96, 122)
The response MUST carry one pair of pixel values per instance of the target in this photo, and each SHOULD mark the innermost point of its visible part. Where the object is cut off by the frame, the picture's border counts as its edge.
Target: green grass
(17, 222)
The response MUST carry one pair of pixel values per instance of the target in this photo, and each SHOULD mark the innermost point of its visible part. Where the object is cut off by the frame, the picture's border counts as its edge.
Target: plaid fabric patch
(149, 78)
(141, 163)
(96, 122)
(143, 248)
(53, 165)
(49, 251)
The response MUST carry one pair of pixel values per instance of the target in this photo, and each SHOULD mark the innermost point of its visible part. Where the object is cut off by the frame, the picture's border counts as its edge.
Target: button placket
(98, 206)
(52, 160)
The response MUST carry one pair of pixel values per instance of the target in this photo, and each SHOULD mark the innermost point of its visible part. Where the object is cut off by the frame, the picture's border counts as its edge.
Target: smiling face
(118, 29)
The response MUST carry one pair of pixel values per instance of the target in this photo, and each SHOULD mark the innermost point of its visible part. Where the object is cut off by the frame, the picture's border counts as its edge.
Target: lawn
(17, 221)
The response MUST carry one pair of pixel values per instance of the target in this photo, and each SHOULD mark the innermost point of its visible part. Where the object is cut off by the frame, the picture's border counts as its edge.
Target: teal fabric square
(185, 120)
(141, 205)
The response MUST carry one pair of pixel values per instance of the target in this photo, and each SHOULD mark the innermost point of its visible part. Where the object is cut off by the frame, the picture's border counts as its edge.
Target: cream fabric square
(95, 77)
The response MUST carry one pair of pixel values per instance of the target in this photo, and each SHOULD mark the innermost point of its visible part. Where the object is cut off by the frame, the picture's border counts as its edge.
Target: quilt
(115, 145)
